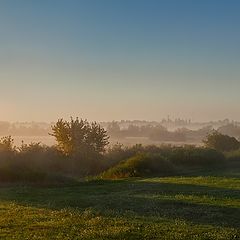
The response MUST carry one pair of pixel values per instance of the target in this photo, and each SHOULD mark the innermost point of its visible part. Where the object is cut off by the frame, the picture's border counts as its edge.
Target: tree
(7, 148)
(221, 142)
(79, 137)
(7, 144)
(82, 143)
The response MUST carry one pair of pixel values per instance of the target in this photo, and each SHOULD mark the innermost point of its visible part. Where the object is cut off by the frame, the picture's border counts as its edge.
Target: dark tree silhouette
(221, 142)
(76, 137)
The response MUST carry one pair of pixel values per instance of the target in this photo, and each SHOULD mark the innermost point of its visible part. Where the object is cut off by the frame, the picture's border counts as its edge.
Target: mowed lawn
(150, 208)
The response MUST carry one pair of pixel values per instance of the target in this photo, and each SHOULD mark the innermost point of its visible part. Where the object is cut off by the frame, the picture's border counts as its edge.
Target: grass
(194, 207)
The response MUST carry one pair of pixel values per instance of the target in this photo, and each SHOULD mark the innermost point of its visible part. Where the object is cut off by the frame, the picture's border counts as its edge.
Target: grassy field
(152, 208)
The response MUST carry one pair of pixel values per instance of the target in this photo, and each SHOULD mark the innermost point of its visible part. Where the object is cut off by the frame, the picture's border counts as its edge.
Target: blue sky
(128, 59)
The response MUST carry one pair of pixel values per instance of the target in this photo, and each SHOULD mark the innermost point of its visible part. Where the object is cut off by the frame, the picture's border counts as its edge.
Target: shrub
(141, 165)
(117, 153)
(187, 156)
(30, 162)
(193, 156)
(221, 142)
(36, 156)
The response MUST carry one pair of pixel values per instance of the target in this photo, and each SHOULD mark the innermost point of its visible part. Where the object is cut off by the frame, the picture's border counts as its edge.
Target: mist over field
(168, 131)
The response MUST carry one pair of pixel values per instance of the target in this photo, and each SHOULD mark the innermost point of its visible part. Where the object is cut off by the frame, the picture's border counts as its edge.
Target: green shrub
(118, 152)
(154, 157)
(141, 165)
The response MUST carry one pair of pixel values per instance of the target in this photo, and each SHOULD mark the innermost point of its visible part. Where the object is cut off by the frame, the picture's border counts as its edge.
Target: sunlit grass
(152, 208)
(219, 182)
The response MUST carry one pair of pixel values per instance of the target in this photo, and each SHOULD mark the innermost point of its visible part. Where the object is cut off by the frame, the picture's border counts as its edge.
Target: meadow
(190, 207)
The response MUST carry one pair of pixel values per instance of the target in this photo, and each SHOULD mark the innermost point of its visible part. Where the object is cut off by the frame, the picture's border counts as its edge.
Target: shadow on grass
(135, 199)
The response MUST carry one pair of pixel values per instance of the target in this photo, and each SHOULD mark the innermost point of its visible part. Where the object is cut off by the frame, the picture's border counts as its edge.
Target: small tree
(221, 142)
(80, 140)
(79, 136)
(7, 144)
(7, 148)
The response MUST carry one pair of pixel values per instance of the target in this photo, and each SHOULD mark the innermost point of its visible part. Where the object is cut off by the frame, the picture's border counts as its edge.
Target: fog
(129, 132)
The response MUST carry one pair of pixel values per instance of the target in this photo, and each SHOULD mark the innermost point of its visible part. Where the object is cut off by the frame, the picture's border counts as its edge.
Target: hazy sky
(119, 59)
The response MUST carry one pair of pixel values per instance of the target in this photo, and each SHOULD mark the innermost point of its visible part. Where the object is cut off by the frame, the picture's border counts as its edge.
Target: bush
(117, 153)
(36, 162)
(141, 165)
(30, 162)
(220, 142)
(160, 161)
(193, 156)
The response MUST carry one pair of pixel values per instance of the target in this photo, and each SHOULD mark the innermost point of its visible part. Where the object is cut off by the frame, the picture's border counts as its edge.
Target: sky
(125, 59)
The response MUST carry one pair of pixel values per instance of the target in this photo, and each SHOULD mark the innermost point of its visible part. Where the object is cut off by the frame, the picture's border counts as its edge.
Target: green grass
(145, 208)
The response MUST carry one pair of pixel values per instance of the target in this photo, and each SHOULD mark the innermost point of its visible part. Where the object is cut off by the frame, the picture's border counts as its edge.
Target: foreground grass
(150, 208)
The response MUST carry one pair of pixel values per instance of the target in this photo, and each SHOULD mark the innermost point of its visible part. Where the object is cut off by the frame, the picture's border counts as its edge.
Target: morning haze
(119, 119)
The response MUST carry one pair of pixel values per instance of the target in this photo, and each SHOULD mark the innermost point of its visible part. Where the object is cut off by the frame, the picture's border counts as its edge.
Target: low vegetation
(141, 165)
(165, 161)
